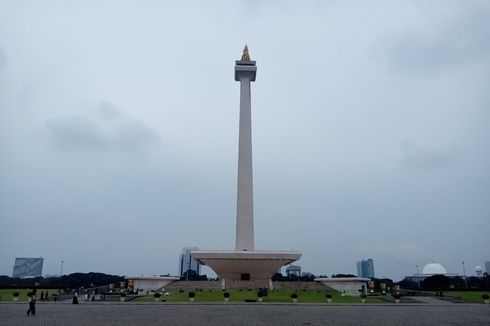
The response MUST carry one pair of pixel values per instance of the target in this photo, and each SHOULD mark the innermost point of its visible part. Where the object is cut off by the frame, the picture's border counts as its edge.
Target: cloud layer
(370, 132)
(103, 130)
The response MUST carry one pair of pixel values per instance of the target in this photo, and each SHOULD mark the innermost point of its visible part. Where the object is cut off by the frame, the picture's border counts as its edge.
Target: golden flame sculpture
(245, 55)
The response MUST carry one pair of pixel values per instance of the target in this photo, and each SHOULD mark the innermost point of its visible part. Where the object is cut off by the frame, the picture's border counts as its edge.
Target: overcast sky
(119, 132)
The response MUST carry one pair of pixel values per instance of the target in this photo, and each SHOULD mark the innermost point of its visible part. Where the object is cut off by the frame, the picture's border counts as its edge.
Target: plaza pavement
(95, 314)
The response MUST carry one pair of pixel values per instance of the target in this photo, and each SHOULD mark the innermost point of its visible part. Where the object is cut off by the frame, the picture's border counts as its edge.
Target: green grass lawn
(470, 296)
(274, 296)
(6, 294)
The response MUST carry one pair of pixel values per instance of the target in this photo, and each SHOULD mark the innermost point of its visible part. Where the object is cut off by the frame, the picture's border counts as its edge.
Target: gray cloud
(424, 158)
(396, 251)
(464, 37)
(108, 111)
(77, 133)
(327, 124)
(106, 129)
(3, 58)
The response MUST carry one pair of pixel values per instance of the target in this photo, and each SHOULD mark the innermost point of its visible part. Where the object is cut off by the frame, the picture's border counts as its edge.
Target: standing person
(42, 296)
(29, 303)
(75, 298)
(32, 304)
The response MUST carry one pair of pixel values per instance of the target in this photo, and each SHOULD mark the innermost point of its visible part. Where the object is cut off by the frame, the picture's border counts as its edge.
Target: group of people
(31, 296)
(90, 297)
(44, 297)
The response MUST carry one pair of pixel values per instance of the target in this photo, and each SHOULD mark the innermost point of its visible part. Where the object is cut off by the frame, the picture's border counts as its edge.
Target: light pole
(417, 275)
(464, 275)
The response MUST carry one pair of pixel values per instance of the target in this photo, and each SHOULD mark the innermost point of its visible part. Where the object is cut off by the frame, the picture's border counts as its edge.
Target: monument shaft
(245, 72)
(244, 216)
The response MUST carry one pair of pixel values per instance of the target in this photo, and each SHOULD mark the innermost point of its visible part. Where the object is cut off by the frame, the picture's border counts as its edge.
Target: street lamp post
(417, 275)
(464, 275)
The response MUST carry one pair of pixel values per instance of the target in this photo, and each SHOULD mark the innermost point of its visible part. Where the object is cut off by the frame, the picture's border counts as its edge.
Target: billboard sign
(28, 267)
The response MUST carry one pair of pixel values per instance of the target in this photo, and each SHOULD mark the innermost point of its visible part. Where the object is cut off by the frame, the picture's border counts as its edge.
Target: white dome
(434, 268)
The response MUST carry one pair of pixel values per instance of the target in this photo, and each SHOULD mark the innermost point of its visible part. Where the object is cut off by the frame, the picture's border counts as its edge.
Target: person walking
(75, 298)
(32, 304)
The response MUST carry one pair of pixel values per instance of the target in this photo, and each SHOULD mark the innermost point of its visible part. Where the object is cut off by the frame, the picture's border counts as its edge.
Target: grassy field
(241, 296)
(274, 296)
(470, 296)
(6, 294)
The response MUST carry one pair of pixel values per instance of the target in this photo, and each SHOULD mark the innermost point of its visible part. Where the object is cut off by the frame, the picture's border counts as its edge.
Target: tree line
(74, 280)
(442, 282)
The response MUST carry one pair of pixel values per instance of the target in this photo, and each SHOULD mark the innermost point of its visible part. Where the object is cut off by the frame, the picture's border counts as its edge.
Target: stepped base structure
(245, 264)
(217, 286)
(346, 285)
(149, 283)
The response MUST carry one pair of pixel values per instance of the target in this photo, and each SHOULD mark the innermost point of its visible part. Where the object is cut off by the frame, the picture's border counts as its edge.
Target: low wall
(346, 285)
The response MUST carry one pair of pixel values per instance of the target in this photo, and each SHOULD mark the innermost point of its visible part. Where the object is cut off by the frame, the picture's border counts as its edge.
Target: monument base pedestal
(245, 266)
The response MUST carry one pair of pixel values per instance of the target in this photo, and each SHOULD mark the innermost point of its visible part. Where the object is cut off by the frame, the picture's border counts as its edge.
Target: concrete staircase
(308, 286)
(253, 285)
(193, 285)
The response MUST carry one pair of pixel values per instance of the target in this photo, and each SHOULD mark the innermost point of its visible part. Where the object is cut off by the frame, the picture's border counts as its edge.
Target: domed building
(430, 269)
(433, 269)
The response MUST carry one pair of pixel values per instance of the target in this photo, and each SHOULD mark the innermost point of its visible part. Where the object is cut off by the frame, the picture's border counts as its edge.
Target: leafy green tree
(436, 282)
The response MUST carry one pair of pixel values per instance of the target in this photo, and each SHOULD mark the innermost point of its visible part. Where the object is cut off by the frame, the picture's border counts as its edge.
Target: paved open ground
(54, 314)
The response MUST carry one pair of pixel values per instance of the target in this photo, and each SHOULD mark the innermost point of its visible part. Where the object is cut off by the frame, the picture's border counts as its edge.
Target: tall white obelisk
(245, 72)
(245, 263)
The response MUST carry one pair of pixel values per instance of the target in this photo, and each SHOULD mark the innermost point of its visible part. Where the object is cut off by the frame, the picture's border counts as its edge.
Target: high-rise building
(487, 267)
(478, 271)
(187, 262)
(293, 270)
(365, 268)
(28, 267)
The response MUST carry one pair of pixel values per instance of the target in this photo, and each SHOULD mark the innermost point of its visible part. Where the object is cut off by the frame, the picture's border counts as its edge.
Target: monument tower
(245, 263)
(245, 72)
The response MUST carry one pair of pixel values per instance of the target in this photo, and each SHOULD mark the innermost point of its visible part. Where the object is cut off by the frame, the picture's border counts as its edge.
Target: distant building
(430, 270)
(487, 267)
(293, 270)
(187, 262)
(28, 267)
(365, 268)
(478, 271)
